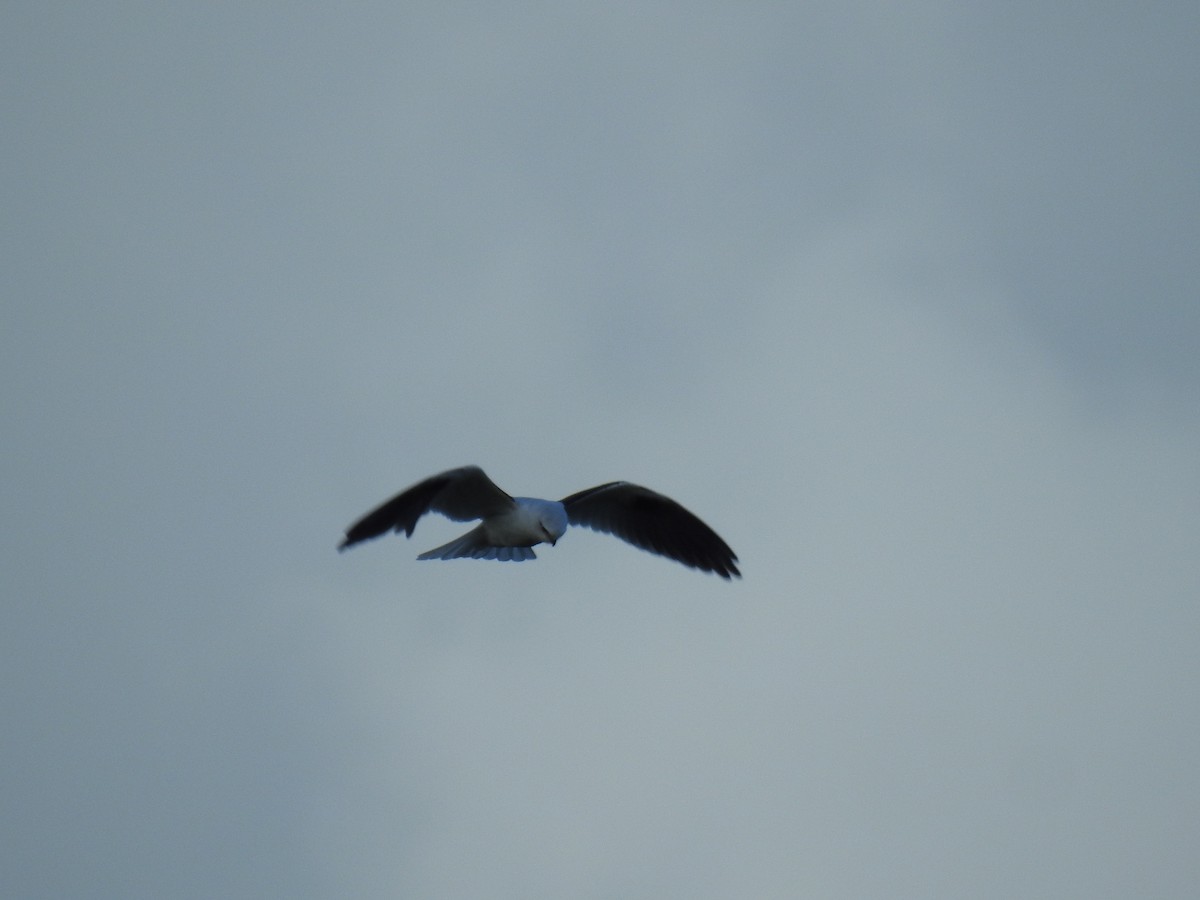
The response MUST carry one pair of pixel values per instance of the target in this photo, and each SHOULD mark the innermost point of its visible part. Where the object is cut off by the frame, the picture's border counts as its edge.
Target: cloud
(914, 336)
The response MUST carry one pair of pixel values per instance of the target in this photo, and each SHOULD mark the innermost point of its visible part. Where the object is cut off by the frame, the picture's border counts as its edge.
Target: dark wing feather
(458, 494)
(653, 522)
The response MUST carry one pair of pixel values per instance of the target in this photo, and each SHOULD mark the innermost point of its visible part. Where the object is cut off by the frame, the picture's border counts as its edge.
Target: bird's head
(552, 522)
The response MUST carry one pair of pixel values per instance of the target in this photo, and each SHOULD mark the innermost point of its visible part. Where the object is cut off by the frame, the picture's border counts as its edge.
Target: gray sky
(900, 298)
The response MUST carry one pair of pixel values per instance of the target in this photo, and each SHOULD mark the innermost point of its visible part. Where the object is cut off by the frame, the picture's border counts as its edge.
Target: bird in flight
(511, 526)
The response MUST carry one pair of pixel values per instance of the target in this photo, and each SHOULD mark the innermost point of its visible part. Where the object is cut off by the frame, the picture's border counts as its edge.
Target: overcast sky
(900, 298)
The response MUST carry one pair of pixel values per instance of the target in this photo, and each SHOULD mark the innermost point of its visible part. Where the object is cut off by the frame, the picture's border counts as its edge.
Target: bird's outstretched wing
(653, 522)
(458, 494)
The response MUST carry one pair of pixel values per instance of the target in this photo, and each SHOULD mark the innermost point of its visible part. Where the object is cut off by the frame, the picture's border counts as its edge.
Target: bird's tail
(475, 545)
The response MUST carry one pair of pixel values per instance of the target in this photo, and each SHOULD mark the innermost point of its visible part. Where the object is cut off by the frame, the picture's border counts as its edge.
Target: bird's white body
(509, 535)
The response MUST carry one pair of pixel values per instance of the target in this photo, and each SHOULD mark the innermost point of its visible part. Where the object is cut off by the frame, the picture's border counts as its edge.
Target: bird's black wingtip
(726, 568)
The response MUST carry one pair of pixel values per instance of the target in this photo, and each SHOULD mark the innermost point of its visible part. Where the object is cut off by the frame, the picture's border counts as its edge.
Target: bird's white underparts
(510, 527)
